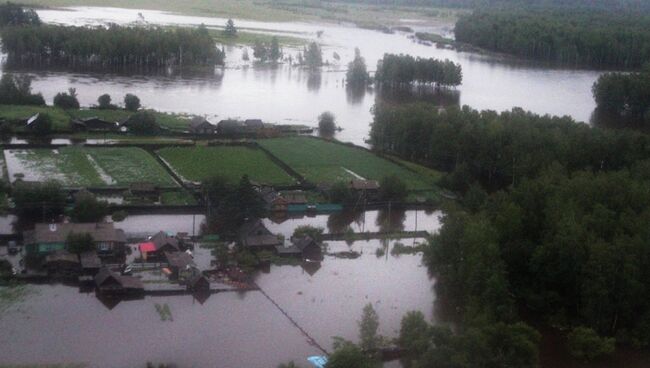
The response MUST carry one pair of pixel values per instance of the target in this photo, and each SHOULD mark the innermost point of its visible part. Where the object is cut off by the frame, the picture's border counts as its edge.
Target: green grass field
(166, 120)
(15, 113)
(88, 167)
(199, 163)
(321, 161)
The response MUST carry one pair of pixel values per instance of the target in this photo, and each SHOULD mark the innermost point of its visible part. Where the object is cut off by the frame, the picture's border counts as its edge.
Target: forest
(586, 38)
(553, 218)
(626, 96)
(114, 46)
(400, 70)
(628, 5)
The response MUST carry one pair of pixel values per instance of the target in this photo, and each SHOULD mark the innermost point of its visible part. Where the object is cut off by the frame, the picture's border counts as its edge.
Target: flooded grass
(88, 167)
(321, 161)
(164, 312)
(200, 163)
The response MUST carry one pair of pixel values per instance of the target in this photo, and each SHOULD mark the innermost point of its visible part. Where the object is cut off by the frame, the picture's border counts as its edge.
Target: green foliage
(625, 95)
(104, 102)
(131, 102)
(567, 36)
(119, 216)
(315, 233)
(15, 15)
(230, 30)
(349, 356)
(368, 327)
(38, 200)
(42, 125)
(585, 344)
(143, 123)
(263, 51)
(17, 90)
(260, 51)
(88, 209)
(246, 261)
(414, 334)
(79, 242)
(357, 73)
(326, 123)
(67, 100)
(340, 192)
(112, 46)
(313, 55)
(397, 70)
(392, 189)
(230, 206)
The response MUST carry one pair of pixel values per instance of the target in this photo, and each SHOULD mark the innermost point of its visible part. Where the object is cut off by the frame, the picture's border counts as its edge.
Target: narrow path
(310, 339)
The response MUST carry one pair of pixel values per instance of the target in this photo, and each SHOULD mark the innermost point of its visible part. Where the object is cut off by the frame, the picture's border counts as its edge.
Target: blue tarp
(317, 361)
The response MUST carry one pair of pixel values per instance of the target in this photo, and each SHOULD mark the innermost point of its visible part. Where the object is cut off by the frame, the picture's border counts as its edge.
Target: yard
(87, 167)
(321, 161)
(232, 162)
(16, 113)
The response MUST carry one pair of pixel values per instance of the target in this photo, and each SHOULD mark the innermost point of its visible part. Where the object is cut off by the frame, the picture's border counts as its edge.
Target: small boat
(318, 361)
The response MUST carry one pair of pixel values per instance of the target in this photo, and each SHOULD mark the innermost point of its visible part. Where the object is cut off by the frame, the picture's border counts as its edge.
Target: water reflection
(355, 94)
(443, 97)
(314, 80)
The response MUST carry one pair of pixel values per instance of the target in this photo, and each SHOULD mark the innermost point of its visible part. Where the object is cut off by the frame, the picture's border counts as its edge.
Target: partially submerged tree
(313, 232)
(131, 102)
(15, 15)
(38, 200)
(88, 209)
(326, 123)
(313, 55)
(357, 74)
(392, 189)
(230, 30)
(17, 90)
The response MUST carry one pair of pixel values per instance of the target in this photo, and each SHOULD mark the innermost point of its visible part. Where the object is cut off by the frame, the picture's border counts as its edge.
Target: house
(273, 200)
(253, 125)
(94, 124)
(90, 263)
(254, 236)
(200, 125)
(34, 122)
(47, 238)
(304, 247)
(62, 263)
(181, 264)
(198, 283)
(109, 282)
(158, 244)
(144, 191)
(230, 127)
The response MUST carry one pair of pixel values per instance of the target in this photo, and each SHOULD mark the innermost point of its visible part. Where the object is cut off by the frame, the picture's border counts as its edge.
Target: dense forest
(600, 39)
(553, 217)
(114, 46)
(626, 96)
(626, 5)
(400, 70)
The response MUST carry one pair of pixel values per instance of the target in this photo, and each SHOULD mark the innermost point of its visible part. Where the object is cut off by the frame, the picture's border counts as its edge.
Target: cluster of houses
(255, 237)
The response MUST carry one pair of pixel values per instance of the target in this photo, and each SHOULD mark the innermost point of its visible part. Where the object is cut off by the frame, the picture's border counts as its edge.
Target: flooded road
(289, 94)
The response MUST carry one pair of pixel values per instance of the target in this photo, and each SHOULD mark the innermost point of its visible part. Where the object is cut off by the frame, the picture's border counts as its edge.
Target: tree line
(112, 46)
(593, 38)
(400, 70)
(553, 216)
(626, 96)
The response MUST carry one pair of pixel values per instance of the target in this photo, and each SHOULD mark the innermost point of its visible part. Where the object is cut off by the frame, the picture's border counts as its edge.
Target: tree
(585, 344)
(275, 52)
(244, 55)
(38, 200)
(349, 356)
(79, 242)
(88, 209)
(131, 102)
(313, 55)
(392, 189)
(230, 30)
(260, 51)
(368, 327)
(143, 123)
(15, 15)
(414, 334)
(326, 123)
(17, 90)
(340, 193)
(315, 233)
(67, 100)
(357, 74)
(104, 102)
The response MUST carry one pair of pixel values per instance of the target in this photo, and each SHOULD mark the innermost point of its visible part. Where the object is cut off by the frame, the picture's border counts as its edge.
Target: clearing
(232, 162)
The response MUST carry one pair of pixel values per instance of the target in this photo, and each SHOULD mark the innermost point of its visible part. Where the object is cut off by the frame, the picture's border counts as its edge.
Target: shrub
(131, 102)
(67, 100)
(585, 344)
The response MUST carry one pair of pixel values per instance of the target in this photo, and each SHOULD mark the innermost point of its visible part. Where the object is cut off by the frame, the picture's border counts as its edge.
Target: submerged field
(87, 167)
(200, 163)
(321, 161)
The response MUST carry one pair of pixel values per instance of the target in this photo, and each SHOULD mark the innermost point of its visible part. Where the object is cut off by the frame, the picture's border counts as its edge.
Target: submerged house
(200, 125)
(109, 282)
(159, 244)
(181, 264)
(47, 238)
(304, 247)
(254, 236)
(63, 263)
(94, 124)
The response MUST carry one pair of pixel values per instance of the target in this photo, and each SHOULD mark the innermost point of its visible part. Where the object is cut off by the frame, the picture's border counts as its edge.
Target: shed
(364, 185)
(94, 124)
(109, 282)
(200, 125)
(253, 235)
(230, 127)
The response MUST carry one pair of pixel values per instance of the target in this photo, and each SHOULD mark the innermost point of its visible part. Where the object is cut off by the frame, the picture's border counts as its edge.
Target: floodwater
(142, 226)
(57, 324)
(289, 94)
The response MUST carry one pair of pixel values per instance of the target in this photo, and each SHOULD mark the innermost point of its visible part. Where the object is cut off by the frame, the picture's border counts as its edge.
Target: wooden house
(201, 126)
(254, 236)
(303, 247)
(62, 263)
(181, 264)
(47, 238)
(94, 124)
(230, 127)
(159, 244)
(90, 263)
(108, 282)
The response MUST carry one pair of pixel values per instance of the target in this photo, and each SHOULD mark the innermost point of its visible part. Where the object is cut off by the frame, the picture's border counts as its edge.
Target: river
(288, 94)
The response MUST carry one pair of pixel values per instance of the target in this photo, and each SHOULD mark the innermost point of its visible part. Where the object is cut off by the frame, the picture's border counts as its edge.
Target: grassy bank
(200, 163)
(16, 113)
(321, 161)
(89, 167)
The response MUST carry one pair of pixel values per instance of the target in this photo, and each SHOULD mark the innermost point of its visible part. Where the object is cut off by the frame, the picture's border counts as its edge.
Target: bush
(88, 209)
(326, 123)
(144, 123)
(79, 243)
(307, 230)
(131, 102)
(119, 216)
(585, 344)
(104, 102)
(67, 100)
(340, 193)
(392, 188)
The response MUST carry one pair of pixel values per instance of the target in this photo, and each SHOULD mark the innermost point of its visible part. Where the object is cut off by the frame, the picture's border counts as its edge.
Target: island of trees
(114, 46)
(402, 70)
(552, 219)
(594, 38)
